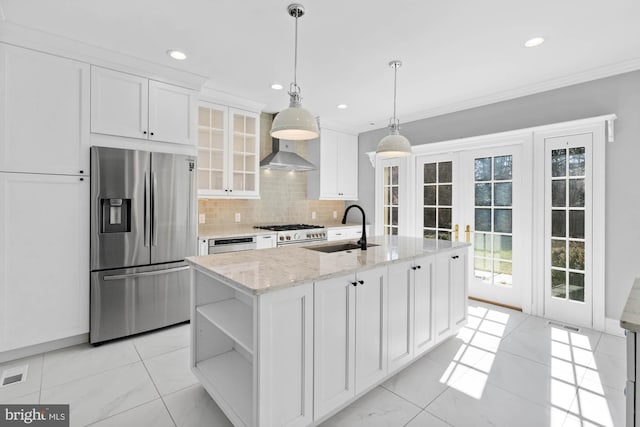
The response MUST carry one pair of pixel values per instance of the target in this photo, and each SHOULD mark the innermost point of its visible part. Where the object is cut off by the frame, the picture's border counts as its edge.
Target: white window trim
(603, 131)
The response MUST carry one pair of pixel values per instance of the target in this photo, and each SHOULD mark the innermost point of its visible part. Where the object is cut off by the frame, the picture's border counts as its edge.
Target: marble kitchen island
(289, 336)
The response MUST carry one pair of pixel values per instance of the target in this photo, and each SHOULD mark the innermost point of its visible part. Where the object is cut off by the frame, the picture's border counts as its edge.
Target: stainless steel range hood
(284, 158)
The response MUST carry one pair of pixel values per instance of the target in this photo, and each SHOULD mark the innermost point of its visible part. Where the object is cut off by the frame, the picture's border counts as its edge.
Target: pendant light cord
(395, 82)
(295, 57)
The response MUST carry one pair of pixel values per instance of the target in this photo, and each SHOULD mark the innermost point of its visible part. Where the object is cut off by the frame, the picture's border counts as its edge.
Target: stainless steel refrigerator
(143, 209)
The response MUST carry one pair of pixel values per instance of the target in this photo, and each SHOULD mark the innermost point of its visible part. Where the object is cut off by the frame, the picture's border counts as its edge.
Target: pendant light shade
(295, 123)
(394, 144)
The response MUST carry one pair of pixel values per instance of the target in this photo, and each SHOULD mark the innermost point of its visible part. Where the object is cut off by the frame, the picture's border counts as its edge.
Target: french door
(568, 227)
(496, 202)
(486, 191)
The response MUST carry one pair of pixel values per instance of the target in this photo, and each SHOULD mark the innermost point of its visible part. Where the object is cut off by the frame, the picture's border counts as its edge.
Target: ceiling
(455, 53)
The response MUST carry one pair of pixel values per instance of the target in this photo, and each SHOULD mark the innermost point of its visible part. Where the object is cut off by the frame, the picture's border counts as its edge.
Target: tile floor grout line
(157, 390)
(404, 398)
(436, 416)
(92, 375)
(120, 413)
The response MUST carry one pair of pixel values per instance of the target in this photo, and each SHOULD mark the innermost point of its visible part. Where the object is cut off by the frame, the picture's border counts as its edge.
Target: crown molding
(219, 97)
(557, 83)
(21, 36)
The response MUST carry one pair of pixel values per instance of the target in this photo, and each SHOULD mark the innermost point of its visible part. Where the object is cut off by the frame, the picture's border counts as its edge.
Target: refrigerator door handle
(147, 208)
(154, 225)
(144, 274)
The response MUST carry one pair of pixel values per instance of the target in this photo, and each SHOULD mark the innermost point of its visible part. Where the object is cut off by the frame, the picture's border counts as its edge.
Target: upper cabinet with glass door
(228, 152)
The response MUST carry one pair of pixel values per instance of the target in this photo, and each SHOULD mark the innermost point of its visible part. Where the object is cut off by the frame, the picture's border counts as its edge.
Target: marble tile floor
(505, 368)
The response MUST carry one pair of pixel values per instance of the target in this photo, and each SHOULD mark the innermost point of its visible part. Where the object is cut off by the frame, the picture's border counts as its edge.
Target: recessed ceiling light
(177, 55)
(342, 106)
(277, 86)
(536, 41)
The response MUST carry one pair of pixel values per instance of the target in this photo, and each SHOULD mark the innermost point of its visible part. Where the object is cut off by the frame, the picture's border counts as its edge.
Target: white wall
(619, 95)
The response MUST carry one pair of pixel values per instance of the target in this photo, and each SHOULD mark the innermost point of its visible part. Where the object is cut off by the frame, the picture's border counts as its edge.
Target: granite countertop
(213, 231)
(271, 269)
(630, 319)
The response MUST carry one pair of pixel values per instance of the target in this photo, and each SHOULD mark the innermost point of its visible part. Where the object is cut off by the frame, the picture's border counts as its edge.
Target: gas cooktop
(296, 233)
(288, 227)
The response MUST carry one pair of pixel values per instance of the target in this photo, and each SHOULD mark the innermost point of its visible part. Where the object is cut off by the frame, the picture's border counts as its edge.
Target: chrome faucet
(363, 240)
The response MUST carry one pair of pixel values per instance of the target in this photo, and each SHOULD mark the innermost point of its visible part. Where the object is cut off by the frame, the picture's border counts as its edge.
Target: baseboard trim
(496, 303)
(612, 326)
(32, 350)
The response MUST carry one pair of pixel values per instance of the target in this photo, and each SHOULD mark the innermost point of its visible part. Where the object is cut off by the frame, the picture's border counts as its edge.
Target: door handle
(154, 225)
(147, 208)
(456, 233)
(145, 273)
(467, 233)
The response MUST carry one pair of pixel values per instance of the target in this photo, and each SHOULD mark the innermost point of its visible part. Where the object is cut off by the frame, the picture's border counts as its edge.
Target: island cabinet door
(371, 327)
(442, 297)
(285, 357)
(401, 314)
(459, 291)
(423, 337)
(334, 343)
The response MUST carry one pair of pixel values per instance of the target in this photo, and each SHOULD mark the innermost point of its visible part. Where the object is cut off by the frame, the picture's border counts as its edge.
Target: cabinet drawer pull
(144, 132)
(354, 283)
(418, 267)
(413, 268)
(151, 133)
(455, 257)
(361, 282)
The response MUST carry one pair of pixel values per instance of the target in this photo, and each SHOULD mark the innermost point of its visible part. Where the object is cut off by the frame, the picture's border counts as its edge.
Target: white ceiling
(454, 52)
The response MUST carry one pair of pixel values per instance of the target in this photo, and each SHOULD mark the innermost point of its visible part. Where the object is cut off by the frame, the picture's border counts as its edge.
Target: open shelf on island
(232, 377)
(234, 318)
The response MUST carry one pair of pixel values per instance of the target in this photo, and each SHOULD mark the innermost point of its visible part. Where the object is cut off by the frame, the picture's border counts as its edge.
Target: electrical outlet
(237, 216)
(313, 215)
(335, 214)
(201, 219)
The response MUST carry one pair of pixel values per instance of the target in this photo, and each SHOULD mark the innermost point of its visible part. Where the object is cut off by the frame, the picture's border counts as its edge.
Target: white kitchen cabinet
(342, 233)
(44, 258)
(410, 333)
(228, 152)
(254, 354)
(266, 241)
(350, 351)
(450, 293)
(44, 120)
(335, 155)
(131, 106)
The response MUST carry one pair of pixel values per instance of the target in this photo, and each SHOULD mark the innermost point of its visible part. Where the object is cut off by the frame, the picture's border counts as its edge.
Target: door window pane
(503, 272)
(483, 269)
(558, 284)
(576, 255)
(559, 162)
(502, 220)
(430, 195)
(429, 233)
(482, 244)
(430, 217)
(558, 223)
(430, 173)
(502, 194)
(445, 172)
(444, 195)
(483, 169)
(390, 208)
(483, 194)
(502, 248)
(483, 220)
(444, 218)
(503, 166)
(559, 193)
(576, 287)
(576, 192)
(576, 224)
(576, 161)
(558, 253)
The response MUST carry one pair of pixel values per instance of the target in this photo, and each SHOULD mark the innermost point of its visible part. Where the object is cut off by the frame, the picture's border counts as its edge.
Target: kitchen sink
(337, 247)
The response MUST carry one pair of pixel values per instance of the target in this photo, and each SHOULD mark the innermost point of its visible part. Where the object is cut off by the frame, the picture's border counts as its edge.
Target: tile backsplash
(283, 196)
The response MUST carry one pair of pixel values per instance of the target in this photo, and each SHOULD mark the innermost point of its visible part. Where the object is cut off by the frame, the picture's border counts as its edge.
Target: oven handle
(145, 273)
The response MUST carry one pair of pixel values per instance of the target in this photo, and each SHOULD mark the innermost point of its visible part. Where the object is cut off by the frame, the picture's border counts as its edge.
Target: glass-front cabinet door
(228, 151)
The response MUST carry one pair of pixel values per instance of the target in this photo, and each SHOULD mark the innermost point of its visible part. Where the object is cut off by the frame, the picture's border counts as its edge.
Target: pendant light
(394, 144)
(295, 122)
